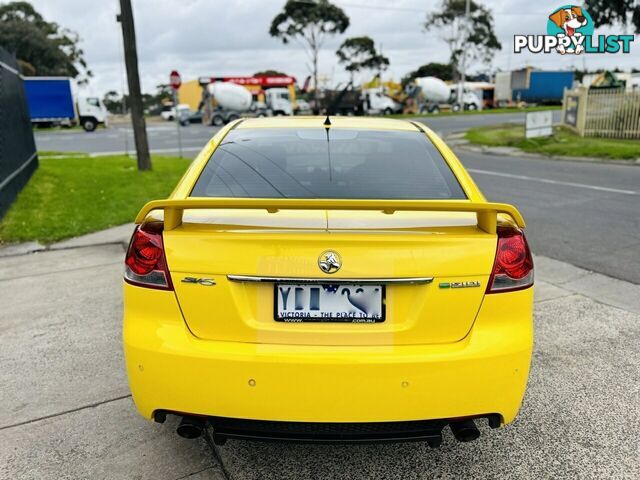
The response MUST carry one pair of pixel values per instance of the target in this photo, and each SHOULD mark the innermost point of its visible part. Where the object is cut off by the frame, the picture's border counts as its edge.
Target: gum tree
(359, 53)
(474, 40)
(309, 23)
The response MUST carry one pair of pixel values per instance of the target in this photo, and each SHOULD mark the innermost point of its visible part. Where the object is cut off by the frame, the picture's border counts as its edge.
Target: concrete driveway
(68, 414)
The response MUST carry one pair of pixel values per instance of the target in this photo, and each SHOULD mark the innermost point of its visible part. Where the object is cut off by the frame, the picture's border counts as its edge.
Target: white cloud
(230, 37)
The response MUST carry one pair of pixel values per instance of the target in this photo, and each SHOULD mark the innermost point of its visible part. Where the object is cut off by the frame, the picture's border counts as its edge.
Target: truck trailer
(543, 87)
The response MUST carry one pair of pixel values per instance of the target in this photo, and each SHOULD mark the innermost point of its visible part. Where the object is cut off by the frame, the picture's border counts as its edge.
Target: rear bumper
(170, 369)
(324, 432)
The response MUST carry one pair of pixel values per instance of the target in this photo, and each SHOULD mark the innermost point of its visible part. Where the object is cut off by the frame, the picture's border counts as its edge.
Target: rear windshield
(338, 163)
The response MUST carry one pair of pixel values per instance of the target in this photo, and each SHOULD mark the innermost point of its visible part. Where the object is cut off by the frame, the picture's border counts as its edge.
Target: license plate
(329, 303)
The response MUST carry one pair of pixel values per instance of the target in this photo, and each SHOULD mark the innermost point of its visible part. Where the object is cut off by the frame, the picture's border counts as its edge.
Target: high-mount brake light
(513, 265)
(145, 263)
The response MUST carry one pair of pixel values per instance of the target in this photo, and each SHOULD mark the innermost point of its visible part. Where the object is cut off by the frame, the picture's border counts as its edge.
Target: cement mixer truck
(224, 102)
(428, 95)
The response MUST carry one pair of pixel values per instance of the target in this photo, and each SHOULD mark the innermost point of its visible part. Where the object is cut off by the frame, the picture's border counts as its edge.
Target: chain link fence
(18, 156)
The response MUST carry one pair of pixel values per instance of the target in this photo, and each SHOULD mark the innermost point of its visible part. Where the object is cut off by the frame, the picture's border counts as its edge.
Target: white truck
(430, 94)
(376, 102)
(278, 101)
(51, 102)
(226, 101)
(471, 98)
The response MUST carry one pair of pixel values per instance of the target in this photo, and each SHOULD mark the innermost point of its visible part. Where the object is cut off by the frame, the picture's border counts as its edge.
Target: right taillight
(145, 263)
(513, 265)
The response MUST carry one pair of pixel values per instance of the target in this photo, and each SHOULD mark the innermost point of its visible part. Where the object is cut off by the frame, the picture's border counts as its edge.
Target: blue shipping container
(49, 98)
(545, 87)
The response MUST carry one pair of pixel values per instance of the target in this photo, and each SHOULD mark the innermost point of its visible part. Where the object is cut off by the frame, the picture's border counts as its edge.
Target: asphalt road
(163, 137)
(587, 214)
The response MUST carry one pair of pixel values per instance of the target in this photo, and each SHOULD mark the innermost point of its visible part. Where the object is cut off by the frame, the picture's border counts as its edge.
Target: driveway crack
(59, 414)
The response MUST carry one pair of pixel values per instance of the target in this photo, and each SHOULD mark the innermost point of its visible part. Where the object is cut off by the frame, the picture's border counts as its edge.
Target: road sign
(539, 124)
(174, 80)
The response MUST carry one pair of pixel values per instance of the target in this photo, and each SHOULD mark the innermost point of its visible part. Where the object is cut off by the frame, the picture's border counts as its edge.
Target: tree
(606, 12)
(473, 42)
(309, 23)
(113, 101)
(359, 53)
(439, 70)
(42, 48)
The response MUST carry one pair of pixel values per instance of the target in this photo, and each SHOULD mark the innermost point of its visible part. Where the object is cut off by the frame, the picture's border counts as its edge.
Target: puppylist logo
(570, 30)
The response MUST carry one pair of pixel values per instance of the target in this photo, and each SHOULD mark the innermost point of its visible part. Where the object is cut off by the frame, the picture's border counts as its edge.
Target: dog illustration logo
(570, 29)
(570, 23)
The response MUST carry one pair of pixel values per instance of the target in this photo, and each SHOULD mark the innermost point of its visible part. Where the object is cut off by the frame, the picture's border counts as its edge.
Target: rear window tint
(340, 163)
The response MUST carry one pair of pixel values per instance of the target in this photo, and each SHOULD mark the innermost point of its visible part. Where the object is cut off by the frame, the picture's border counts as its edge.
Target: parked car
(186, 116)
(168, 112)
(328, 279)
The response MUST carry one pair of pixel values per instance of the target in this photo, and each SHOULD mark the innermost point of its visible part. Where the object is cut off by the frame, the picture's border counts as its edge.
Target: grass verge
(564, 142)
(488, 111)
(74, 195)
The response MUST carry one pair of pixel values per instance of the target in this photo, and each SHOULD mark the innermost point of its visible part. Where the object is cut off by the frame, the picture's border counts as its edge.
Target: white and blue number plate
(329, 303)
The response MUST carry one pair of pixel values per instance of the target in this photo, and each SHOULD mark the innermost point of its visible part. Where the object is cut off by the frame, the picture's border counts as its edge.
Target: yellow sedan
(328, 279)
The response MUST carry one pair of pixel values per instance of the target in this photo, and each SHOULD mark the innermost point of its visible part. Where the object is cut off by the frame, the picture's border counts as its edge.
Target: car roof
(336, 122)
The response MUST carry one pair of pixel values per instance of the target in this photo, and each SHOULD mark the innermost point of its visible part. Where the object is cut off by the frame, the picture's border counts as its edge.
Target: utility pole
(135, 98)
(463, 73)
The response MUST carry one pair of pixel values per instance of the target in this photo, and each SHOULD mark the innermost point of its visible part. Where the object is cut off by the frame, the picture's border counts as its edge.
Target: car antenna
(327, 124)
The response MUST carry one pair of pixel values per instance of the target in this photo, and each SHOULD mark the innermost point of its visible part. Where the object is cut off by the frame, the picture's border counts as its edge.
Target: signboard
(174, 80)
(264, 81)
(539, 124)
(571, 110)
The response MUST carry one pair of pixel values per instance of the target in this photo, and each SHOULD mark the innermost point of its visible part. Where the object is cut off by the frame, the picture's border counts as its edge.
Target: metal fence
(614, 114)
(18, 157)
(602, 113)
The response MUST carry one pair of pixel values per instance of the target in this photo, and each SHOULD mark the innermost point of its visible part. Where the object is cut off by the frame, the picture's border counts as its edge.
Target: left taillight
(146, 263)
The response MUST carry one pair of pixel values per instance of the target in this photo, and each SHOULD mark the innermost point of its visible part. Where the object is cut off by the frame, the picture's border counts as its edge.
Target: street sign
(174, 80)
(539, 124)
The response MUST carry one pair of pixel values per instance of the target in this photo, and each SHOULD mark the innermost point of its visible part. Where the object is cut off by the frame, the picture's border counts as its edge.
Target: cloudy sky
(230, 37)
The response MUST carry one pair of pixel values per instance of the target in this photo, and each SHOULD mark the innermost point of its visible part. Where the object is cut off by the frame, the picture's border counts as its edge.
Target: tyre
(387, 111)
(435, 110)
(472, 106)
(232, 117)
(89, 124)
(217, 120)
(455, 107)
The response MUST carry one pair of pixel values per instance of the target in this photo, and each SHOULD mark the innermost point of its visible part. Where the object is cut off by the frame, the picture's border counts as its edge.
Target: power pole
(135, 98)
(463, 72)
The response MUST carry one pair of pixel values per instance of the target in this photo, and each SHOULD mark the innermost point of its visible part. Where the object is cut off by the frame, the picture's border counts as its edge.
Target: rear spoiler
(486, 212)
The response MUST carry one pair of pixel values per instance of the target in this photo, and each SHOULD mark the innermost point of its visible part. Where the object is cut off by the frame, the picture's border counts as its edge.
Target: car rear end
(328, 282)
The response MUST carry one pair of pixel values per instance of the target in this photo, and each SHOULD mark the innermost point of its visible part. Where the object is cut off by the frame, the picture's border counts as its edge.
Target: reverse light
(145, 263)
(513, 265)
